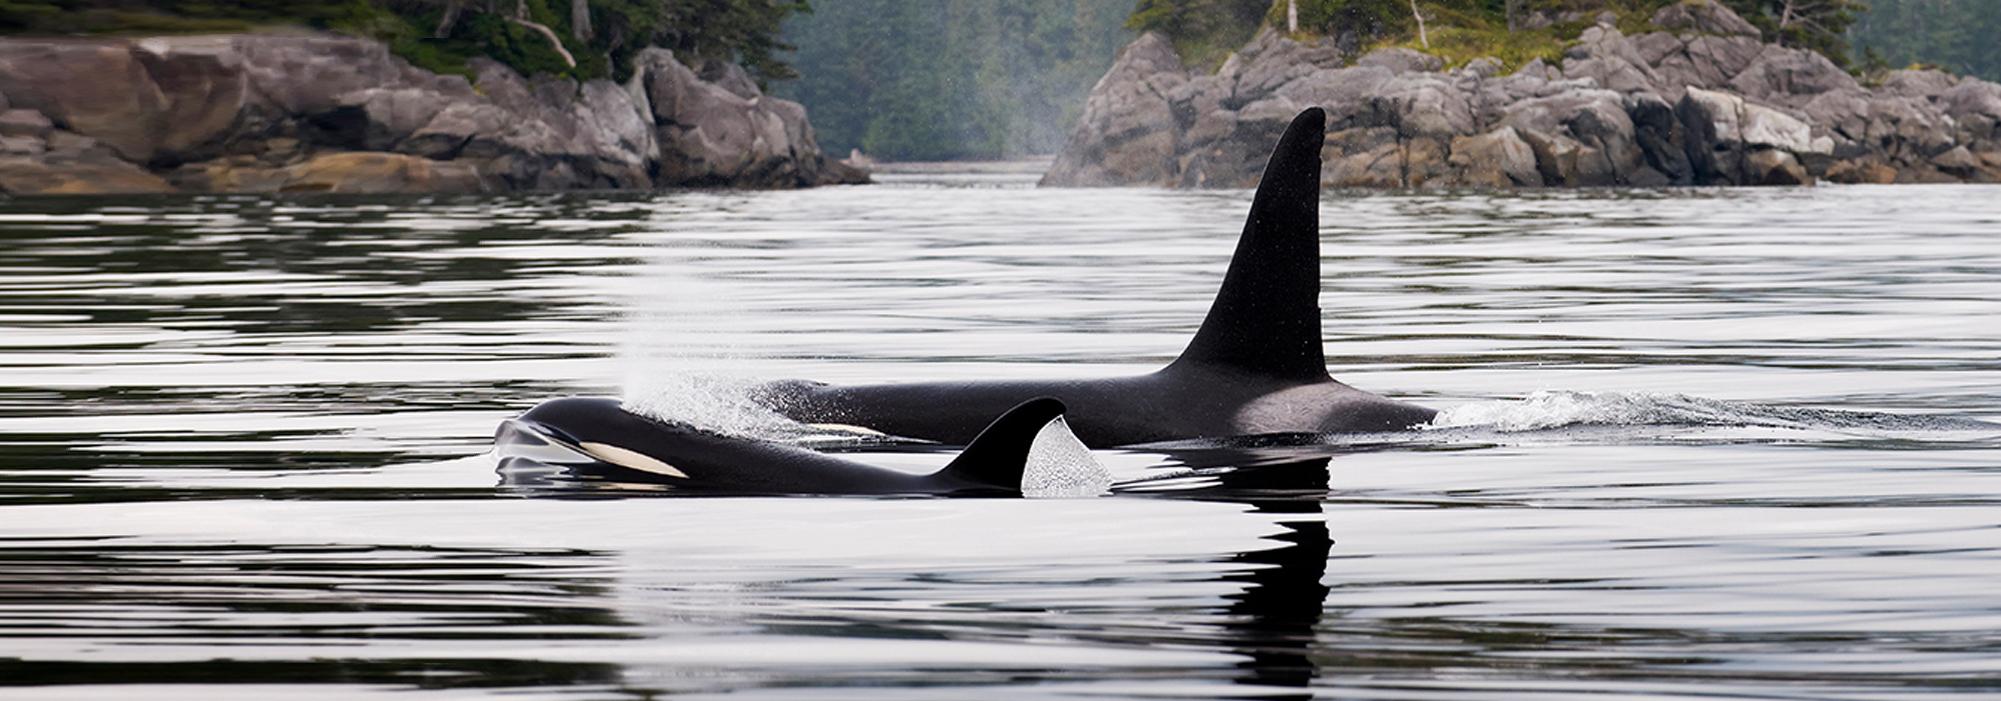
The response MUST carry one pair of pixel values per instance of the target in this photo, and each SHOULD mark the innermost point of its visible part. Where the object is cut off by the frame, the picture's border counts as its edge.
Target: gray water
(1713, 443)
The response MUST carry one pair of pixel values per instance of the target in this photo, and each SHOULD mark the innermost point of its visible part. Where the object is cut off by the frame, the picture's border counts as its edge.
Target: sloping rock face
(236, 113)
(1701, 101)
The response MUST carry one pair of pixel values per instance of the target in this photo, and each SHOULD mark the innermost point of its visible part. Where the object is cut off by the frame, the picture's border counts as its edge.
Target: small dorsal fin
(1000, 453)
(1266, 318)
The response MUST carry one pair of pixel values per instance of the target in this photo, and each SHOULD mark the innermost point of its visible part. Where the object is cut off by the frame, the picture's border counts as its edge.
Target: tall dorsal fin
(1266, 318)
(1000, 453)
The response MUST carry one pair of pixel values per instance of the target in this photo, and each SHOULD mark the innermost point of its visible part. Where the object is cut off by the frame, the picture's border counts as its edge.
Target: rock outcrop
(320, 113)
(1700, 101)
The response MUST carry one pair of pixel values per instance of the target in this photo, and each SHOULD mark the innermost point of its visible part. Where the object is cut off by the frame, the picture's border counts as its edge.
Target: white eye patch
(848, 428)
(631, 459)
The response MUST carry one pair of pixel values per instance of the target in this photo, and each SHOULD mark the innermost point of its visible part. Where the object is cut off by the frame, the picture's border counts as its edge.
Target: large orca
(1255, 366)
(1030, 441)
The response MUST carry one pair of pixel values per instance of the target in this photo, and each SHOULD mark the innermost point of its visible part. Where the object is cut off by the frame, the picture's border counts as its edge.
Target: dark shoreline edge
(247, 113)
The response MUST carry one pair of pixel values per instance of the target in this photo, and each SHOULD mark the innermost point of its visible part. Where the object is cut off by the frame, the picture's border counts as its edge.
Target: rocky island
(1699, 99)
(316, 112)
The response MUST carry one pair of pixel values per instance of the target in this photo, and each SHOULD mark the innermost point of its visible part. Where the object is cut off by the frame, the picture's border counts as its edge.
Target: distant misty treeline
(954, 79)
(1963, 36)
(950, 79)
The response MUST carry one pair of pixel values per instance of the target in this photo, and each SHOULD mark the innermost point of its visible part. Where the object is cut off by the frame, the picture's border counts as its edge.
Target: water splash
(680, 365)
(1556, 409)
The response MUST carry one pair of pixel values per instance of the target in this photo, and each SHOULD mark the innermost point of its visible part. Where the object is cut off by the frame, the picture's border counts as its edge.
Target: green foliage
(1461, 30)
(1460, 43)
(1203, 31)
(170, 16)
(1958, 35)
(1820, 25)
(1368, 19)
(742, 30)
(950, 79)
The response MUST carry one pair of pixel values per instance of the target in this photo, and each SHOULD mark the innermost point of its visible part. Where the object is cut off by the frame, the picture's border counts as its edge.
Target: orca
(1254, 367)
(1030, 439)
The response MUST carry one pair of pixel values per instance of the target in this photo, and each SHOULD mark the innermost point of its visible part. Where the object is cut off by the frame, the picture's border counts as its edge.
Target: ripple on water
(241, 443)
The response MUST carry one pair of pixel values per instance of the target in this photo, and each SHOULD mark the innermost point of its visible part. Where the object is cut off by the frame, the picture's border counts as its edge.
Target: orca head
(603, 430)
(1031, 450)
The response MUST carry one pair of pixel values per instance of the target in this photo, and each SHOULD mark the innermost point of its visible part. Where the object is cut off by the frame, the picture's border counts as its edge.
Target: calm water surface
(1717, 443)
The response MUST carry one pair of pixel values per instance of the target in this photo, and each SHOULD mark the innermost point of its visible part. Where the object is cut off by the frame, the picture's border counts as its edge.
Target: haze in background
(974, 79)
(1957, 35)
(952, 79)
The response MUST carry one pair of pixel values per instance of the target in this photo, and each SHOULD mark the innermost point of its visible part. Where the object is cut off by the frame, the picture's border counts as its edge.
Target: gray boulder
(1614, 62)
(121, 103)
(1270, 61)
(1725, 133)
(1363, 157)
(1401, 60)
(1497, 159)
(729, 76)
(1703, 17)
(1579, 138)
(378, 119)
(1790, 76)
(380, 173)
(1923, 83)
(251, 111)
(1128, 132)
(712, 135)
(1482, 67)
(22, 175)
(1702, 101)
(25, 123)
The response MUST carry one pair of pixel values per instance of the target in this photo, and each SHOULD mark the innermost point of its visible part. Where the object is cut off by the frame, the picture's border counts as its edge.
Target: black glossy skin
(1171, 404)
(1255, 366)
(990, 465)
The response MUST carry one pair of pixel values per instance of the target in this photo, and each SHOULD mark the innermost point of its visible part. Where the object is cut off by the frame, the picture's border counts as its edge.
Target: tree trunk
(1421, 38)
(580, 20)
(450, 19)
(1513, 8)
(555, 42)
(1292, 16)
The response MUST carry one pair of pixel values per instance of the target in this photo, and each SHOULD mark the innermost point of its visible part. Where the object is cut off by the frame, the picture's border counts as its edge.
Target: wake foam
(1556, 409)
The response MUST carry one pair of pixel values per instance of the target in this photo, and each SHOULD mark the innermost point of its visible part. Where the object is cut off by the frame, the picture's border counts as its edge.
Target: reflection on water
(1696, 443)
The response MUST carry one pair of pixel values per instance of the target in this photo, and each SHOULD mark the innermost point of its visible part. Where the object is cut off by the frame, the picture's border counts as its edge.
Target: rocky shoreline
(1702, 100)
(323, 113)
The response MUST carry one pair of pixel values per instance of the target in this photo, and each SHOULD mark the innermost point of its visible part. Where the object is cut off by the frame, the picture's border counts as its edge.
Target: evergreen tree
(1202, 30)
(1821, 25)
(1958, 35)
(950, 79)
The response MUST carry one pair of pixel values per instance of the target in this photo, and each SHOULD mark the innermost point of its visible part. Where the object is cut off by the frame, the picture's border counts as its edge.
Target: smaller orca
(1031, 439)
